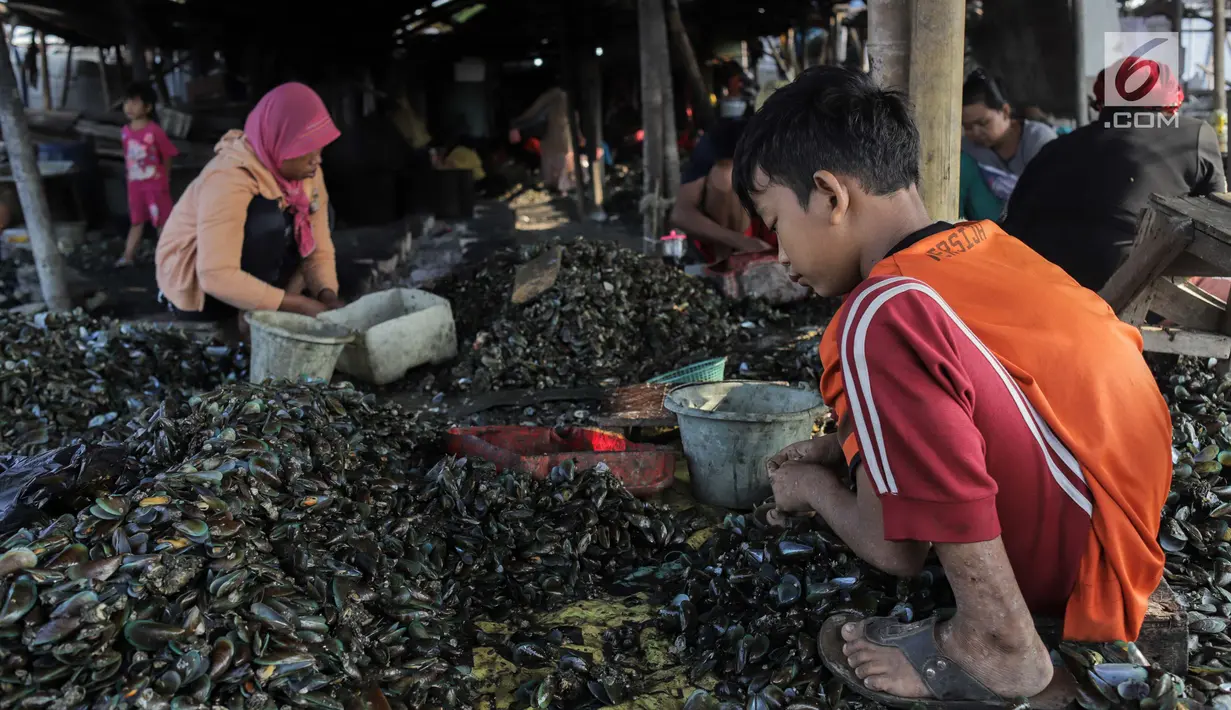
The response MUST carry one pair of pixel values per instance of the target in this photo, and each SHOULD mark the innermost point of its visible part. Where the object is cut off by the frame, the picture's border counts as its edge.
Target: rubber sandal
(951, 686)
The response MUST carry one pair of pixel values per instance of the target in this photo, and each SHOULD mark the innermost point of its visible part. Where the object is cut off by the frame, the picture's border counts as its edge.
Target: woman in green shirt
(975, 199)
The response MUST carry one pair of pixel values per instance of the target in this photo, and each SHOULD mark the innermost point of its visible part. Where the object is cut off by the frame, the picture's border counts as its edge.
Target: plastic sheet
(36, 489)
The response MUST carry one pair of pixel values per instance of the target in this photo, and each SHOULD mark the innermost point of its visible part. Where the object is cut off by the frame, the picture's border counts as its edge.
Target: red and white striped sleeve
(910, 404)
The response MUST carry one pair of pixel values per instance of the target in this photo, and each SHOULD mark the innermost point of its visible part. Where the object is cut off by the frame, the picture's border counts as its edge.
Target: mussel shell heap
(613, 317)
(64, 376)
(279, 552)
(1195, 530)
(747, 609)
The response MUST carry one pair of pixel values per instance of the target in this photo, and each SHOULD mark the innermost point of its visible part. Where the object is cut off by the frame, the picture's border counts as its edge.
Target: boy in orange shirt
(988, 407)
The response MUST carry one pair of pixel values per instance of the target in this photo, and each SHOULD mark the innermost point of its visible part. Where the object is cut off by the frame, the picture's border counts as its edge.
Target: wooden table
(1177, 238)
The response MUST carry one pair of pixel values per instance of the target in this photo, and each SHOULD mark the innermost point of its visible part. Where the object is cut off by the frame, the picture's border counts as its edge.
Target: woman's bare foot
(1010, 668)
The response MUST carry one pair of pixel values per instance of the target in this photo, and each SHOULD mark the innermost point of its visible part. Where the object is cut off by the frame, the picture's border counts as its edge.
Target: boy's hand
(797, 485)
(821, 451)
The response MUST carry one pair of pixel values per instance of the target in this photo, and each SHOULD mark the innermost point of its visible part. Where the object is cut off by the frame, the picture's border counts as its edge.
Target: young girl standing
(147, 161)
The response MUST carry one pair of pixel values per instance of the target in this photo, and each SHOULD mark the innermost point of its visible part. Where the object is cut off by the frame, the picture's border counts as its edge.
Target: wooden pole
(68, 78)
(102, 78)
(44, 71)
(1080, 106)
(671, 147)
(20, 146)
(592, 79)
(889, 25)
(936, 92)
(650, 12)
(702, 109)
(1220, 73)
(136, 42)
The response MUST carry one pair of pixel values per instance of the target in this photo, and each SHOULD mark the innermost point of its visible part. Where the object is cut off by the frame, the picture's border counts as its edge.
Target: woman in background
(253, 229)
(1000, 145)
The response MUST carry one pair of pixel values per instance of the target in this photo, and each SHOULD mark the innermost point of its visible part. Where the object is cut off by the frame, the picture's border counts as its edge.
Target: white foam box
(395, 330)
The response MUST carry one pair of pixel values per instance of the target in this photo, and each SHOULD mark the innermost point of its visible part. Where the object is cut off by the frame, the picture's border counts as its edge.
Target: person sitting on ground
(1001, 145)
(725, 226)
(988, 408)
(1077, 204)
(253, 228)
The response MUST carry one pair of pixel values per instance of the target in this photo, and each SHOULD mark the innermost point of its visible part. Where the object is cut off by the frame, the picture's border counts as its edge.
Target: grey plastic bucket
(729, 429)
(290, 345)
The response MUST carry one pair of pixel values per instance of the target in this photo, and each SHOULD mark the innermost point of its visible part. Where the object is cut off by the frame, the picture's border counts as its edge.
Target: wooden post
(68, 78)
(574, 139)
(136, 42)
(160, 78)
(1220, 73)
(1080, 107)
(102, 78)
(29, 183)
(889, 25)
(702, 109)
(650, 13)
(1177, 25)
(44, 71)
(592, 79)
(936, 92)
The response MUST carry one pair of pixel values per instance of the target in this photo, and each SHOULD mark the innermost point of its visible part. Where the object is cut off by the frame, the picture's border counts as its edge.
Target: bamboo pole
(68, 78)
(936, 92)
(649, 13)
(703, 110)
(1081, 111)
(592, 79)
(889, 42)
(44, 71)
(30, 192)
(1220, 73)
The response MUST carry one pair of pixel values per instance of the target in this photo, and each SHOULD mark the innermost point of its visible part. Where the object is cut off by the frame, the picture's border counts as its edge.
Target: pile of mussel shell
(750, 601)
(614, 316)
(67, 376)
(278, 550)
(1195, 533)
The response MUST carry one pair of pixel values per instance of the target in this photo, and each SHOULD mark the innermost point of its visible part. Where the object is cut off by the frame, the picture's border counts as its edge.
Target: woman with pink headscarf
(252, 231)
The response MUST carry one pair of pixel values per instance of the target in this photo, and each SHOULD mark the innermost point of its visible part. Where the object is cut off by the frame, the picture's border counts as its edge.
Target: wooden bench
(1177, 238)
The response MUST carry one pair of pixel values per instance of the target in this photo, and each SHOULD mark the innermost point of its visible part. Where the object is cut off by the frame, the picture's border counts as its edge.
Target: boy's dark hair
(981, 88)
(142, 90)
(834, 119)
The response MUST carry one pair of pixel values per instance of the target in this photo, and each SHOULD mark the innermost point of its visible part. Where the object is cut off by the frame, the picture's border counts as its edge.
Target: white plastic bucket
(288, 345)
(730, 429)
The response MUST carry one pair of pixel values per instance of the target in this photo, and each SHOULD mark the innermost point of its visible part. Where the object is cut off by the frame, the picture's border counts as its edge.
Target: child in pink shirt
(147, 163)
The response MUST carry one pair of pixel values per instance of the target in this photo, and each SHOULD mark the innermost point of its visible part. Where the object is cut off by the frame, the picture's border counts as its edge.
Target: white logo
(1141, 69)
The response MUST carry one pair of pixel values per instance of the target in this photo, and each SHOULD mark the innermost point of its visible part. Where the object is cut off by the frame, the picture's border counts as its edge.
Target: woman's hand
(304, 306)
(330, 298)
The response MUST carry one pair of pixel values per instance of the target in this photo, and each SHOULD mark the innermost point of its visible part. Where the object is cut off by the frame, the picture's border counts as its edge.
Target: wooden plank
(1161, 236)
(1186, 342)
(1135, 313)
(1213, 216)
(1189, 264)
(1187, 306)
(1164, 632)
(465, 406)
(1208, 249)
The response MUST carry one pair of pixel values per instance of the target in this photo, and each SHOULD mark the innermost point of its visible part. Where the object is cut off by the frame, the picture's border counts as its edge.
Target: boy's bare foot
(1010, 667)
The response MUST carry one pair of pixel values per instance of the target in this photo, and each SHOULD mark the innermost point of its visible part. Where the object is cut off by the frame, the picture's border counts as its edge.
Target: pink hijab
(289, 122)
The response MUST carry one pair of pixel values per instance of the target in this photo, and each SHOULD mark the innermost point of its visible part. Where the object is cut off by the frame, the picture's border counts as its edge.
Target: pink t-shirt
(146, 151)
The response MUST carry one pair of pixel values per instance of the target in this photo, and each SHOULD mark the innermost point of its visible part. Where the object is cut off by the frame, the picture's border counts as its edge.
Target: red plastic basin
(644, 469)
